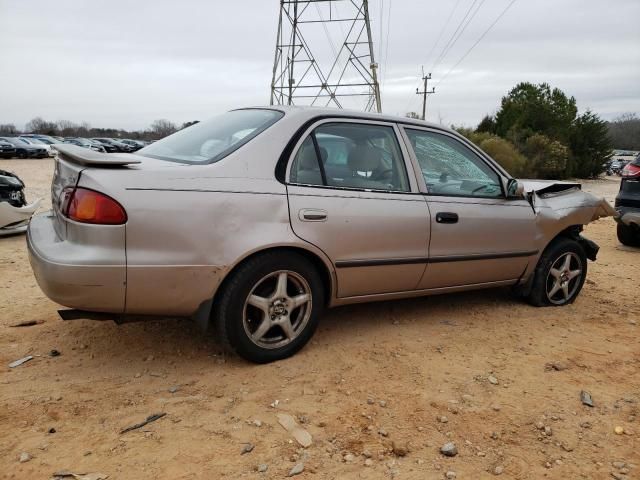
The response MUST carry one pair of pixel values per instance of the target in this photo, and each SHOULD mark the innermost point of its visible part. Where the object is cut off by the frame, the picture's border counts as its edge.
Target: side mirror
(515, 189)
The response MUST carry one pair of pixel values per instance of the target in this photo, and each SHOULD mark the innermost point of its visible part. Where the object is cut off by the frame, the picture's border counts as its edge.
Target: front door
(478, 236)
(350, 195)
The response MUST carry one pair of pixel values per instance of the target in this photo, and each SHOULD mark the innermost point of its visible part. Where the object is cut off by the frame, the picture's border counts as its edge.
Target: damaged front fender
(561, 206)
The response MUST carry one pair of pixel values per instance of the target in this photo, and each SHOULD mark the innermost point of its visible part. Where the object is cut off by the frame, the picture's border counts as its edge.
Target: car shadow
(178, 340)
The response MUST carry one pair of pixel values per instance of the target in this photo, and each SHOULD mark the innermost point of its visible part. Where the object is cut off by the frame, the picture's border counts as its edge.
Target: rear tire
(559, 275)
(628, 235)
(269, 308)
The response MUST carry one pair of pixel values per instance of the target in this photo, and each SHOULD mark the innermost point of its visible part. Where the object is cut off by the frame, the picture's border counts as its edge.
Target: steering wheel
(388, 172)
(477, 189)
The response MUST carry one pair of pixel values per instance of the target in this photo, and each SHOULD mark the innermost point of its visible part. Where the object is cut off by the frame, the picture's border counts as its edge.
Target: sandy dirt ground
(473, 369)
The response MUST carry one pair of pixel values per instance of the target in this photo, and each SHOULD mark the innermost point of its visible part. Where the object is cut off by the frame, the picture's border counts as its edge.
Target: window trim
(499, 171)
(414, 187)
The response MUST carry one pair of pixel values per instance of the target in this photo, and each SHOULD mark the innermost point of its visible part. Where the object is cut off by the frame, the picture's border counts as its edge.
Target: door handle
(446, 217)
(312, 215)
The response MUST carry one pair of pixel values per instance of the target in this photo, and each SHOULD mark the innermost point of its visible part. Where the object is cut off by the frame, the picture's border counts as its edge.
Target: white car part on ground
(15, 219)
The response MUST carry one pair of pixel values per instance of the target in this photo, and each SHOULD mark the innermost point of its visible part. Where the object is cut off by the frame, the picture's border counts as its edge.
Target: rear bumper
(88, 277)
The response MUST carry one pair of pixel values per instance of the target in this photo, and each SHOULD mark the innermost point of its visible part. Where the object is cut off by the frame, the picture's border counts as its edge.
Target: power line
(477, 41)
(444, 26)
(457, 37)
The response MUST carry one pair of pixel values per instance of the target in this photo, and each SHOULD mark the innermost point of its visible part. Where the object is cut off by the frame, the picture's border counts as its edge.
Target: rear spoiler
(91, 158)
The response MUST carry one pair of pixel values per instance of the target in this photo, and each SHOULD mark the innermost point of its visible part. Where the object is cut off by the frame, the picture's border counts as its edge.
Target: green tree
(590, 146)
(487, 124)
(531, 109)
(548, 158)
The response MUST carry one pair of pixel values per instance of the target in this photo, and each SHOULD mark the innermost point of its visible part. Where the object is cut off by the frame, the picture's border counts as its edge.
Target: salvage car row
(40, 146)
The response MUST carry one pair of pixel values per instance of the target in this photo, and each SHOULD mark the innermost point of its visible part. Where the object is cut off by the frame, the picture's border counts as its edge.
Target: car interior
(353, 156)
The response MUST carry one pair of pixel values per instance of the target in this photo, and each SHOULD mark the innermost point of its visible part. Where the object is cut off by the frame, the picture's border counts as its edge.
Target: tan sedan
(256, 220)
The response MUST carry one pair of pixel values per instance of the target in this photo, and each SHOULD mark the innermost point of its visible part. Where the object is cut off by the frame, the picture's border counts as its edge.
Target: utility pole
(425, 92)
(346, 76)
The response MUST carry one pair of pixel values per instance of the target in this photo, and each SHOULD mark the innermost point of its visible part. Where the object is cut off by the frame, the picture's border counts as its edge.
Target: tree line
(66, 128)
(538, 133)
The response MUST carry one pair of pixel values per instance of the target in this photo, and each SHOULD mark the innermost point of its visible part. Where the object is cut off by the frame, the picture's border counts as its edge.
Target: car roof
(305, 113)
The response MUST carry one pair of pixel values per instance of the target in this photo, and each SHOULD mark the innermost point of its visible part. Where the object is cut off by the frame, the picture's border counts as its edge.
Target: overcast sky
(125, 63)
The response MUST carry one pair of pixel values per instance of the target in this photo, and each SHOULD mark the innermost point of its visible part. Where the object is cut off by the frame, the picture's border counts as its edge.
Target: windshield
(214, 139)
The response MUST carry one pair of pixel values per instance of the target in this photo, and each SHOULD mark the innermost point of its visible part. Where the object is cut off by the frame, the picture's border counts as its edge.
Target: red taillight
(88, 206)
(631, 170)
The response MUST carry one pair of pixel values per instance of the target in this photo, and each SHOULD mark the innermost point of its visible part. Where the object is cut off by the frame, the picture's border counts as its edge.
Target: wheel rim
(564, 278)
(277, 309)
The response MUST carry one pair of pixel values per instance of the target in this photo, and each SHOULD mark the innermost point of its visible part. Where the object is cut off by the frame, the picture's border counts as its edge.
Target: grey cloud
(117, 63)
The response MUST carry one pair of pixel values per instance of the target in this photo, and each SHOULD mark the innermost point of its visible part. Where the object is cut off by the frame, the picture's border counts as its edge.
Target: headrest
(308, 159)
(364, 159)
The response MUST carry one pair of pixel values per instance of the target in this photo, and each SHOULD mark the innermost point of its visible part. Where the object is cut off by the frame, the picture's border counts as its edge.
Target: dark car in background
(628, 205)
(86, 143)
(134, 144)
(25, 149)
(7, 150)
(113, 146)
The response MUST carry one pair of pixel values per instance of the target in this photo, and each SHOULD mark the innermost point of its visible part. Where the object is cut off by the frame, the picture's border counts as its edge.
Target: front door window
(451, 168)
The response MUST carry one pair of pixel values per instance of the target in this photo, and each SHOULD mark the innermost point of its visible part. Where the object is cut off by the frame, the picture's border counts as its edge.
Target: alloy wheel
(277, 309)
(564, 278)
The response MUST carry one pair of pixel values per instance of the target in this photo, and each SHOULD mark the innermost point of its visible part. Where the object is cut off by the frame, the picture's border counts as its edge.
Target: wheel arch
(571, 232)
(324, 267)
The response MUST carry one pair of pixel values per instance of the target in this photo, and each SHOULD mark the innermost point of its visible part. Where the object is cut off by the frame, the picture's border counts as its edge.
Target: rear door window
(351, 155)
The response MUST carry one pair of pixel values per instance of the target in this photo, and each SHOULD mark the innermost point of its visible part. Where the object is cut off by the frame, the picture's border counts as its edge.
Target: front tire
(269, 307)
(628, 235)
(559, 275)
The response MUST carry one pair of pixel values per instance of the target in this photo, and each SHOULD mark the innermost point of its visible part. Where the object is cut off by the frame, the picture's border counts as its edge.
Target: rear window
(214, 139)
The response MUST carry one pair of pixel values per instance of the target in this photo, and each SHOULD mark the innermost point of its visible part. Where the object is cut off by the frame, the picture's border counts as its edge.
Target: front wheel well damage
(572, 232)
(202, 317)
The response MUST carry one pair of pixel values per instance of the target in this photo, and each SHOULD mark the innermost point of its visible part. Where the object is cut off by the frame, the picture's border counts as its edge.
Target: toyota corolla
(253, 222)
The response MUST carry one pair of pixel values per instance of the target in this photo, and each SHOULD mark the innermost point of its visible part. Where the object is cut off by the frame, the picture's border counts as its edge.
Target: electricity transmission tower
(344, 75)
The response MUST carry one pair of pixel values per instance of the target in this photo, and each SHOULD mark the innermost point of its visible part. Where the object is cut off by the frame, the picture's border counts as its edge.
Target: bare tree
(67, 128)
(163, 127)
(8, 129)
(38, 125)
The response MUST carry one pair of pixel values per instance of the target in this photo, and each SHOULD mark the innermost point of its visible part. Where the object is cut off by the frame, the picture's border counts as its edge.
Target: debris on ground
(66, 475)
(290, 425)
(54, 353)
(618, 430)
(492, 380)
(27, 323)
(449, 449)
(585, 398)
(20, 361)
(555, 366)
(25, 457)
(296, 470)
(247, 448)
(400, 449)
(150, 418)
(263, 467)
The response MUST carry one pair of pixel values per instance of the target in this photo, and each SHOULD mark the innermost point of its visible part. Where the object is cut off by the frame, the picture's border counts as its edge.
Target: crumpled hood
(566, 201)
